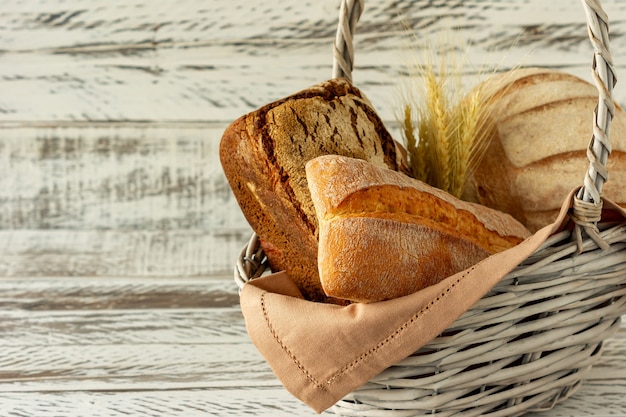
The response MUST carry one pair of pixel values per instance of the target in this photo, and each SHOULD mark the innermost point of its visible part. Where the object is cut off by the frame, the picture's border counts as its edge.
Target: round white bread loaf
(536, 153)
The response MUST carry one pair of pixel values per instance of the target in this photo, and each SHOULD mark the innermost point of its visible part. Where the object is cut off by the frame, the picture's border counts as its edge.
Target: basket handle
(587, 205)
(343, 51)
(587, 208)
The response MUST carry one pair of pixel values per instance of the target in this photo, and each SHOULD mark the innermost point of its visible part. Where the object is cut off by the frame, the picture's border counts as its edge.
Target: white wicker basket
(531, 340)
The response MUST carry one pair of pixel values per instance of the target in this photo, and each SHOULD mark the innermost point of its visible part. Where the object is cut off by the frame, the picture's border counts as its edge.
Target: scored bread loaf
(263, 155)
(537, 152)
(383, 234)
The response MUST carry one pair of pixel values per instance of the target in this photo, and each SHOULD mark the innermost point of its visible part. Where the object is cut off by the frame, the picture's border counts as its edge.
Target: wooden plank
(117, 157)
(180, 372)
(237, 401)
(184, 326)
(132, 22)
(262, 402)
(96, 253)
(121, 61)
(116, 200)
(225, 402)
(73, 294)
(149, 346)
(133, 367)
(176, 350)
(114, 177)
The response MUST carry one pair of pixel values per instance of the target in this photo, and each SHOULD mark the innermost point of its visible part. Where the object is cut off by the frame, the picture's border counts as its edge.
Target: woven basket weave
(531, 340)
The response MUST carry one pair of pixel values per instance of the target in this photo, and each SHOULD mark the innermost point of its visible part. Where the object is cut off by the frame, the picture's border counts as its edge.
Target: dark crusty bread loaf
(384, 235)
(264, 153)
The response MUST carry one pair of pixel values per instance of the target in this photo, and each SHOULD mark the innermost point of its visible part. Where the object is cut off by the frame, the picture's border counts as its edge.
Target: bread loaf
(537, 152)
(264, 153)
(385, 235)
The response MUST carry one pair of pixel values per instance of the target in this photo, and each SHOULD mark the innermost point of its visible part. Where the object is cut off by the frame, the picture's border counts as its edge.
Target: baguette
(263, 155)
(383, 235)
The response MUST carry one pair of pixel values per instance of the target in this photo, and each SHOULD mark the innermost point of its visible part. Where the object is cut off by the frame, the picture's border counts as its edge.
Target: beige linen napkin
(321, 352)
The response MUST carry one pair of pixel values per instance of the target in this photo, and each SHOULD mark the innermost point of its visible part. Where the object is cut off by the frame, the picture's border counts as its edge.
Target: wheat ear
(438, 123)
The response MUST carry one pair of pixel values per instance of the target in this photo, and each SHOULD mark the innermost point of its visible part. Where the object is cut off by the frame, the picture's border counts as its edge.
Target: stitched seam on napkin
(285, 348)
(396, 333)
(364, 356)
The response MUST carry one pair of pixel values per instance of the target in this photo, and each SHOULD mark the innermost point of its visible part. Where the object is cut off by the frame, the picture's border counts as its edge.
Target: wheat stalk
(420, 167)
(452, 127)
(438, 125)
(474, 126)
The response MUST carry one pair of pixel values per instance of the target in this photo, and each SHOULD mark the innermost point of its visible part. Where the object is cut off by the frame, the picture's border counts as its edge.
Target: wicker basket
(531, 340)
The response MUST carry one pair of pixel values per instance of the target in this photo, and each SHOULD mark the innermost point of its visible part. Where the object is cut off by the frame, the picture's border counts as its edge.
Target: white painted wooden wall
(111, 112)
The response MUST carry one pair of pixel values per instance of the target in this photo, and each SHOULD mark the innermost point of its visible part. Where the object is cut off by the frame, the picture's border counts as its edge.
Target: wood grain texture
(226, 402)
(176, 347)
(194, 61)
(112, 177)
(116, 200)
(111, 113)
(97, 253)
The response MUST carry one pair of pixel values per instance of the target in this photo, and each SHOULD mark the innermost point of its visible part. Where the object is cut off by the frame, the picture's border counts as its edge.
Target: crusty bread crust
(384, 235)
(537, 152)
(264, 153)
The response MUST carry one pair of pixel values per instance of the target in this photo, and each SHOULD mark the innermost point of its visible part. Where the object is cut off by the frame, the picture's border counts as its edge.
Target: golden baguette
(383, 234)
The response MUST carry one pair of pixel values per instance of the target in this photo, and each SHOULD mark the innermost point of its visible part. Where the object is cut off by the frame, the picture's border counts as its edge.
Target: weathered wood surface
(116, 200)
(197, 61)
(117, 228)
(111, 112)
(170, 347)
